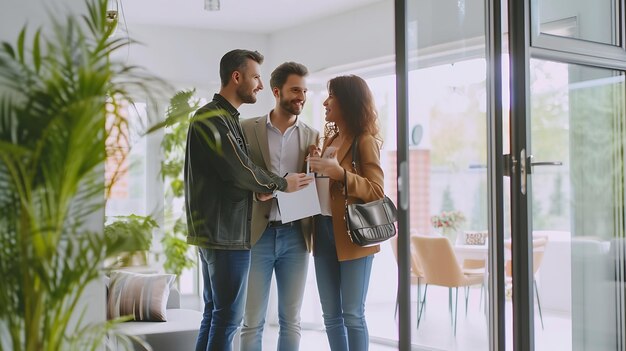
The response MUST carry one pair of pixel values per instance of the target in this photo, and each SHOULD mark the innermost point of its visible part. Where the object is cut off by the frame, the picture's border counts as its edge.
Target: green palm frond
(57, 109)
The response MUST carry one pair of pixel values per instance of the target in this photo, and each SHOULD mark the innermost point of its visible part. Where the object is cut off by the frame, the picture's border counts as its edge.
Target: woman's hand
(328, 166)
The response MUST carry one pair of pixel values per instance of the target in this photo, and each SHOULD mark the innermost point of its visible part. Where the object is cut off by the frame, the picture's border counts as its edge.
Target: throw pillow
(144, 296)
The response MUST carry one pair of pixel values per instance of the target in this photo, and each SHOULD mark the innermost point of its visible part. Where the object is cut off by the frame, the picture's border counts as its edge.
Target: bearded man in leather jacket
(220, 180)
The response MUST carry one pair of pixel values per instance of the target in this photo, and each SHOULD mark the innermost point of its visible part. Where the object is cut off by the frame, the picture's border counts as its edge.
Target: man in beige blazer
(278, 142)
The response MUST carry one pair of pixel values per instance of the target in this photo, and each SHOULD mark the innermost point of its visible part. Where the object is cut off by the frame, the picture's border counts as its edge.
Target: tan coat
(364, 185)
(255, 130)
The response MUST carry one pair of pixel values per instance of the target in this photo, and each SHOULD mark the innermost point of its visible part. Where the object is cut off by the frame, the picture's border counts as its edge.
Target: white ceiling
(254, 16)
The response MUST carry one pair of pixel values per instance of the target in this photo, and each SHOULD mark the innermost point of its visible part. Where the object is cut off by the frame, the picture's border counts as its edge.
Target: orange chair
(474, 267)
(539, 247)
(441, 268)
(417, 274)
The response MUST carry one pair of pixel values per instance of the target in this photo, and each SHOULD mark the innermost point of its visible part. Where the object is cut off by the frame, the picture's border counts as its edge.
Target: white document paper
(323, 193)
(298, 204)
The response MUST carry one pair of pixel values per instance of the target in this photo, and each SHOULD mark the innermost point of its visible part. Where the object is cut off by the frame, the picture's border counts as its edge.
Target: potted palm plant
(58, 106)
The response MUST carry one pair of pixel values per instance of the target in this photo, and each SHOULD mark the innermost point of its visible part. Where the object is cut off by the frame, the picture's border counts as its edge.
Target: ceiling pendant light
(212, 5)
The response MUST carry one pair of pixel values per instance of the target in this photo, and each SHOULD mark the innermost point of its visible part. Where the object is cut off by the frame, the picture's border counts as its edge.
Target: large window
(127, 163)
(448, 161)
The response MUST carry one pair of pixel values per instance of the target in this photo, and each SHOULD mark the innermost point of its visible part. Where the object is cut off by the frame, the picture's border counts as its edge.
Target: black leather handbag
(370, 223)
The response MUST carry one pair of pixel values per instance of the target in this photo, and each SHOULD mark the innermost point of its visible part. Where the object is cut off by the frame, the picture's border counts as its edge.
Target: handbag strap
(355, 154)
(354, 147)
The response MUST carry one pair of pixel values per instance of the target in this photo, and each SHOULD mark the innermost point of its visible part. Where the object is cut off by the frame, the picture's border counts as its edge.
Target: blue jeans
(225, 275)
(281, 250)
(343, 288)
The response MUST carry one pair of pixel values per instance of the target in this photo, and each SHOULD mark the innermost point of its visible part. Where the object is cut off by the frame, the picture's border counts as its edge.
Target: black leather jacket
(219, 182)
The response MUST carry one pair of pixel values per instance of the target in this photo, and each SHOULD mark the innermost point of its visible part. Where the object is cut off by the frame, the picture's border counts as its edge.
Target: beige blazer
(255, 131)
(364, 185)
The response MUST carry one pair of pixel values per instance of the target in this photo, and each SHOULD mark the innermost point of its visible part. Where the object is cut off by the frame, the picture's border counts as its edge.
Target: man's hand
(297, 181)
(264, 197)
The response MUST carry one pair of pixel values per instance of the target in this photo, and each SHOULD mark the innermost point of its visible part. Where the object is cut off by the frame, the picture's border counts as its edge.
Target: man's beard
(289, 107)
(246, 97)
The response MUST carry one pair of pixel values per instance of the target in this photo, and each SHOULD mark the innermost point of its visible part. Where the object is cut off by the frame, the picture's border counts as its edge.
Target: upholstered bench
(178, 332)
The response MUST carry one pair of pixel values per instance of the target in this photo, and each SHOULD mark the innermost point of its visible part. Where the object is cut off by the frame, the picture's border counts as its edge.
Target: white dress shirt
(284, 152)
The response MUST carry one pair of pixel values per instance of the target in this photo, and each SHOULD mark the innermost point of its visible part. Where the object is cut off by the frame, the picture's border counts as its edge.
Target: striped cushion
(143, 296)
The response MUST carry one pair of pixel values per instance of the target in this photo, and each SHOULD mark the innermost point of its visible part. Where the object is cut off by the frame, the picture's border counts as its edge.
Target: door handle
(542, 163)
(510, 164)
(547, 163)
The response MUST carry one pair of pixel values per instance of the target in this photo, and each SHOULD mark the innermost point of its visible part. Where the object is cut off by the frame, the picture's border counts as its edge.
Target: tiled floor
(435, 332)
(312, 340)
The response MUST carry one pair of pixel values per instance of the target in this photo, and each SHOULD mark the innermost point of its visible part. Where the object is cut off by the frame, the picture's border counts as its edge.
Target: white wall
(190, 57)
(350, 37)
(15, 13)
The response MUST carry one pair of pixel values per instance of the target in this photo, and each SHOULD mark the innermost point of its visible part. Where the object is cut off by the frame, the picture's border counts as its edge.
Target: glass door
(577, 198)
(522, 104)
(565, 256)
(445, 129)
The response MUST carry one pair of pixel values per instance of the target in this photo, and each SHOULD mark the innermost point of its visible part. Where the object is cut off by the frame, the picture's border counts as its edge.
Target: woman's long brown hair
(356, 102)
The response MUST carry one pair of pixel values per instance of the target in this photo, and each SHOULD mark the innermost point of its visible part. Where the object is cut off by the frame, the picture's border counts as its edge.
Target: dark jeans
(225, 275)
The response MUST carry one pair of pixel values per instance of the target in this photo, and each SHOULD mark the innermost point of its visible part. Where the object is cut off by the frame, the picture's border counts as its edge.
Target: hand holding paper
(299, 204)
(264, 197)
(297, 181)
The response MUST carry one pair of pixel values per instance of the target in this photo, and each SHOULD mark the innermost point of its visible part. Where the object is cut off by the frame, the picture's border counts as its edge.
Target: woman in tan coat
(342, 268)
